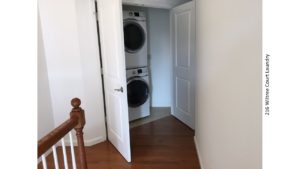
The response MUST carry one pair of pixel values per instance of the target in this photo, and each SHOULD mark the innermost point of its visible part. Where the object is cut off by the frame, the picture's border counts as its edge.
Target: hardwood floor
(163, 144)
(156, 113)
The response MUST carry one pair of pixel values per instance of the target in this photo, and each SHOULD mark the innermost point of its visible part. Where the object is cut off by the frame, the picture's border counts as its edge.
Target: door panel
(113, 58)
(115, 105)
(182, 39)
(183, 96)
(183, 51)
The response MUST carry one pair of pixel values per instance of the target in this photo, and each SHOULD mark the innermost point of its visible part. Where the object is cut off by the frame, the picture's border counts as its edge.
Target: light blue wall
(160, 57)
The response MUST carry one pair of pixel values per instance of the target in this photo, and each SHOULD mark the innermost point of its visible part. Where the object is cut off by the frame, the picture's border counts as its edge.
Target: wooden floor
(162, 144)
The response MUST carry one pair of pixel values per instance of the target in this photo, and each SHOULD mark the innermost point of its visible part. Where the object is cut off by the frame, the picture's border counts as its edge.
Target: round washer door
(134, 36)
(137, 92)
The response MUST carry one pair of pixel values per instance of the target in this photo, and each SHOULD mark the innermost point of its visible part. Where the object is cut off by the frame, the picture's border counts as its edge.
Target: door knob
(119, 90)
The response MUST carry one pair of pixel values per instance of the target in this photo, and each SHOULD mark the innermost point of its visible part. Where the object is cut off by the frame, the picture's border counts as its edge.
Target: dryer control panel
(138, 15)
(143, 71)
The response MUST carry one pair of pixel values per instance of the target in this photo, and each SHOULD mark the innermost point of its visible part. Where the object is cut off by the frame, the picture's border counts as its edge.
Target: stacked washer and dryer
(135, 41)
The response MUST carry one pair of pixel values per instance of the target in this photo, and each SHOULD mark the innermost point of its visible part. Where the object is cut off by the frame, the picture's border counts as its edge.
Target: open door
(183, 52)
(113, 61)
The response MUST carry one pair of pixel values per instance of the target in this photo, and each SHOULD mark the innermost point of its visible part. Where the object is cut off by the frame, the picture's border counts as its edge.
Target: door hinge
(96, 15)
(96, 11)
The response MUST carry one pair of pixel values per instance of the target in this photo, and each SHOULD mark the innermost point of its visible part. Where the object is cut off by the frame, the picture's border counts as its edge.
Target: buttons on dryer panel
(134, 72)
(140, 71)
(134, 13)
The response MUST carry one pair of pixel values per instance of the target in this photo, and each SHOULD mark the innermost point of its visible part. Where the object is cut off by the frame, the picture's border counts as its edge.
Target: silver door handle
(119, 90)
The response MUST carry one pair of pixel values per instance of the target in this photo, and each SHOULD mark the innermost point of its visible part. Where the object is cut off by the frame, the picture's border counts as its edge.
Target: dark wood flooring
(163, 144)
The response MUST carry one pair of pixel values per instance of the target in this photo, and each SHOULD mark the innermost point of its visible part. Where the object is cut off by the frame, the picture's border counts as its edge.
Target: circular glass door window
(134, 37)
(137, 92)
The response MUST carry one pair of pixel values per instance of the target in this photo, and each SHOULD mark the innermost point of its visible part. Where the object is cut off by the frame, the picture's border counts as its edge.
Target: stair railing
(77, 122)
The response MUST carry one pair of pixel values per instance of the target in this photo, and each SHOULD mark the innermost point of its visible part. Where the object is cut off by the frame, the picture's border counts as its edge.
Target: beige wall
(228, 122)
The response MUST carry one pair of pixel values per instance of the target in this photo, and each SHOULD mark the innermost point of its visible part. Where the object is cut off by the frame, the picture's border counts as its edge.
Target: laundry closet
(152, 85)
(149, 62)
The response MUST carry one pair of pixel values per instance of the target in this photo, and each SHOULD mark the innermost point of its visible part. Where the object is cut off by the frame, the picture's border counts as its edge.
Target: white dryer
(138, 93)
(135, 39)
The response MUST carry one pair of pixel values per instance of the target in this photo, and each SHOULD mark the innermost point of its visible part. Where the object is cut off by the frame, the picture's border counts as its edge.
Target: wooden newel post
(78, 113)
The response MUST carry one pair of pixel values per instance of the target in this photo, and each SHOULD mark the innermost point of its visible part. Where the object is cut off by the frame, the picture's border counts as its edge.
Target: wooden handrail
(54, 136)
(77, 122)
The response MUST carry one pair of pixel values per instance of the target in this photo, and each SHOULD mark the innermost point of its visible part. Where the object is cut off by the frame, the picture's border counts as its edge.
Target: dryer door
(134, 36)
(137, 92)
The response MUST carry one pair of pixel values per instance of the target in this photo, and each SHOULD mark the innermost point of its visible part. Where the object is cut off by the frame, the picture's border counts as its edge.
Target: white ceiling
(155, 3)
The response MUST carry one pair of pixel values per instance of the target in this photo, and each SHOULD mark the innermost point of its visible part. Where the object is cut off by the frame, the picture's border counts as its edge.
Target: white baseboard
(198, 152)
(94, 141)
(87, 142)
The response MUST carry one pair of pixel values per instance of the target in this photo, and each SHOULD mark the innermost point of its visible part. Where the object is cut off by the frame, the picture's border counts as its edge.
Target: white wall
(45, 113)
(90, 62)
(72, 57)
(229, 48)
(160, 57)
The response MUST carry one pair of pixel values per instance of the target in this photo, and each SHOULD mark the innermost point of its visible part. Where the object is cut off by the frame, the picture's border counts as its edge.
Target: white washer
(138, 93)
(135, 39)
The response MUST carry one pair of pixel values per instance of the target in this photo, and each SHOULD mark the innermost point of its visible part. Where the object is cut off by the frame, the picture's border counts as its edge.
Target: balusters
(55, 157)
(64, 153)
(72, 151)
(44, 161)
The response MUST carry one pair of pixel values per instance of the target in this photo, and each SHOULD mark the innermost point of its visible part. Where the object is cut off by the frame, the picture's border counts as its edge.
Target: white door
(183, 51)
(113, 58)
